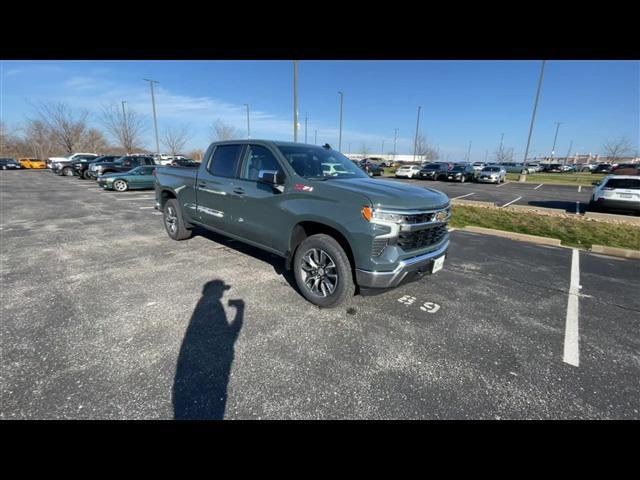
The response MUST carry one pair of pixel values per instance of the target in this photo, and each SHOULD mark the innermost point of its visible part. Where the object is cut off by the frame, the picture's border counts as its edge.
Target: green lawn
(585, 179)
(575, 232)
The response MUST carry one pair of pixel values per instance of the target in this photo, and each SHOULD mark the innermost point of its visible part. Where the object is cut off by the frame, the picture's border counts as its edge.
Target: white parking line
(134, 198)
(512, 201)
(144, 208)
(571, 336)
(502, 185)
(579, 188)
(462, 196)
(535, 188)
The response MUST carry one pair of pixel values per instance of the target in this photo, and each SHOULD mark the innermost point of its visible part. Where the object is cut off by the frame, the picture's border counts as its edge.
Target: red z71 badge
(300, 187)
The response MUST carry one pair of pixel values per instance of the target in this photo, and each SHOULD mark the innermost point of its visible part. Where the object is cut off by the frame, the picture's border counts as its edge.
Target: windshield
(491, 169)
(318, 162)
(431, 167)
(458, 168)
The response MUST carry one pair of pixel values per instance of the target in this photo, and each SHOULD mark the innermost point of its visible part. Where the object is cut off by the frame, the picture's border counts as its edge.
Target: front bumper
(407, 270)
(627, 205)
(488, 180)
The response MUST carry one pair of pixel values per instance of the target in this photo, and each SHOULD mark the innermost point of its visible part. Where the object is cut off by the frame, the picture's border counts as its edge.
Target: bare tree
(175, 138)
(425, 150)
(66, 126)
(617, 148)
(502, 155)
(93, 141)
(222, 131)
(125, 127)
(39, 138)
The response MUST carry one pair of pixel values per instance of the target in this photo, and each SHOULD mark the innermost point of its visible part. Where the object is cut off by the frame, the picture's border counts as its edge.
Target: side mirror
(272, 177)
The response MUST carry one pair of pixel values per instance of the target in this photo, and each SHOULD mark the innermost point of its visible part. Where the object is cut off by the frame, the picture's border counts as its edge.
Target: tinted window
(628, 183)
(258, 158)
(307, 162)
(225, 160)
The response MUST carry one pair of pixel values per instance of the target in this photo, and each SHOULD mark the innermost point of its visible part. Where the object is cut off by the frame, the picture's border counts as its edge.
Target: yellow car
(32, 163)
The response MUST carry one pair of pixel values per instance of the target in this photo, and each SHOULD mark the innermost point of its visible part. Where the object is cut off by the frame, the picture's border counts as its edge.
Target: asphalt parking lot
(105, 317)
(565, 197)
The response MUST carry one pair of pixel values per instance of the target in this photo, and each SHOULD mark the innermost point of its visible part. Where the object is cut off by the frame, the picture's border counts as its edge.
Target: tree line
(55, 129)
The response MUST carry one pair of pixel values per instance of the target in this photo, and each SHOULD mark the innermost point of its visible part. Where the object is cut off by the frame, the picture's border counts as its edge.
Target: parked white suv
(408, 171)
(616, 192)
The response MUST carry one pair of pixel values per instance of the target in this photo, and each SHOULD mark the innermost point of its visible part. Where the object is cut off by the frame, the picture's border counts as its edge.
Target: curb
(523, 237)
(528, 208)
(613, 216)
(616, 252)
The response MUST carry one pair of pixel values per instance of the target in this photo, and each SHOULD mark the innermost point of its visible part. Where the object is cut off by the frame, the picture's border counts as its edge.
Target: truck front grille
(422, 238)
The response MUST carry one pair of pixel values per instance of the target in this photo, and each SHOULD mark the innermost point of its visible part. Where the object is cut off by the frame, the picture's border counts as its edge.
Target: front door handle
(239, 191)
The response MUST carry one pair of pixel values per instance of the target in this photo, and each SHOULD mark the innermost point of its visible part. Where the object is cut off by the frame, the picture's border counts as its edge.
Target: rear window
(626, 183)
(225, 160)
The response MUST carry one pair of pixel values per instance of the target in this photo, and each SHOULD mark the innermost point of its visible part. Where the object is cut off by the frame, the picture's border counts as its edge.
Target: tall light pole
(395, 144)
(340, 134)
(315, 141)
(415, 143)
(305, 128)
(553, 149)
(468, 152)
(248, 121)
(569, 152)
(523, 176)
(382, 151)
(153, 104)
(295, 100)
(500, 149)
(486, 154)
(126, 128)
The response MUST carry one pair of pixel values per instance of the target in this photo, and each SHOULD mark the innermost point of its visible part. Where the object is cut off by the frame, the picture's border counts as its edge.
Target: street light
(415, 143)
(383, 148)
(553, 149)
(468, 152)
(305, 128)
(155, 121)
(126, 128)
(248, 122)
(295, 100)
(340, 134)
(315, 142)
(523, 175)
(395, 144)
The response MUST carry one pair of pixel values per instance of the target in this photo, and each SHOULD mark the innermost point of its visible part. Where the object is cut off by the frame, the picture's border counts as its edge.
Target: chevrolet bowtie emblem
(441, 216)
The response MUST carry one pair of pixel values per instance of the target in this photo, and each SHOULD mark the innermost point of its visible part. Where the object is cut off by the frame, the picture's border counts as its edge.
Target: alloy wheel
(319, 272)
(120, 185)
(171, 220)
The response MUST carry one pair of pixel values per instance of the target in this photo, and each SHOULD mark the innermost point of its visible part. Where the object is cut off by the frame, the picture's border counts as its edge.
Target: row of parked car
(116, 172)
(455, 172)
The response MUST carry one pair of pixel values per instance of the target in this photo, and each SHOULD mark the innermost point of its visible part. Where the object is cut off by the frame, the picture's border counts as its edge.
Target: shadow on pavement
(206, 356)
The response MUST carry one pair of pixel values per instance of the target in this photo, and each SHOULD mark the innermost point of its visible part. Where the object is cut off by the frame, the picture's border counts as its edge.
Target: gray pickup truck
(336, 227)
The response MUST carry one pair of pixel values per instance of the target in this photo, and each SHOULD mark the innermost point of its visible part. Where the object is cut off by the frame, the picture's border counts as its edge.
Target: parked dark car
(372, 169)
(122, 164)
(81, 167)
(602, 168)
(183, 162)
(626, 169)
(9, 164)
(553, 168)
(433, 171)
(461, 173)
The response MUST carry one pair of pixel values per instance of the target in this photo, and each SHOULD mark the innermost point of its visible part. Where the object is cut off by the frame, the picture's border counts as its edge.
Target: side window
(258, 158)
(225, 160)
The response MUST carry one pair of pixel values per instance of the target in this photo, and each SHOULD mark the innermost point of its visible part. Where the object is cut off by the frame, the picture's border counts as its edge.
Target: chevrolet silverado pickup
(337, 229)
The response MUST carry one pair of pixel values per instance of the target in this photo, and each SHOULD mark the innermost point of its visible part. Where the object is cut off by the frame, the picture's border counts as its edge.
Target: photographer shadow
(206, 356)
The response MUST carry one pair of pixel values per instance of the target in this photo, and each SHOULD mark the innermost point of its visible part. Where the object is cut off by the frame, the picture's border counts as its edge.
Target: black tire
(67, 172)
(462, 179)
(343, 287)
(180, 232)
(85, 175)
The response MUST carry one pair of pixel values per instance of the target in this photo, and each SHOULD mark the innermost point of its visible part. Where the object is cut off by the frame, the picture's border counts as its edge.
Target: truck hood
(391, 194)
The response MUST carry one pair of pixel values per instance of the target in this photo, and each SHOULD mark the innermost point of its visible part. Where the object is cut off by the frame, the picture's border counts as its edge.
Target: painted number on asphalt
(430, 307)
(407, 299)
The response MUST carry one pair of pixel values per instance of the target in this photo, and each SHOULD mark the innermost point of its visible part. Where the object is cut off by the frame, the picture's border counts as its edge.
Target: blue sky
(461, 101)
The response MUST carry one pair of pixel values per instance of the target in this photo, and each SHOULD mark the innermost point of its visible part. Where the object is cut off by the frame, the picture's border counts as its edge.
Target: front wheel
(67, 172)
(323, 271)
(120, 186)
(86, 175)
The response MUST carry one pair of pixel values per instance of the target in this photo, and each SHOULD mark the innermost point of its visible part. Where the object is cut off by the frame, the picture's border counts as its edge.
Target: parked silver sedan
(493, 174)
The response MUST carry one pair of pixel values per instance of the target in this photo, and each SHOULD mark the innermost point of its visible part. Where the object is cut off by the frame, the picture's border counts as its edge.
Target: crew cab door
(253, 203)
(214, 187)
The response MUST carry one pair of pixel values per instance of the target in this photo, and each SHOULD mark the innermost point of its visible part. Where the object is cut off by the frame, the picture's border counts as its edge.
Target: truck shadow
(206, 356)
(275, 261)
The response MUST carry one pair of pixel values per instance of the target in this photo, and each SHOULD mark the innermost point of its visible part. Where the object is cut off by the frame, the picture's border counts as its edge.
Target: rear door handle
(238, 190)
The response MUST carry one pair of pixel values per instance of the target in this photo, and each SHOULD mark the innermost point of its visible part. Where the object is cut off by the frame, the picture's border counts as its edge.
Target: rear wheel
(85, 175)
(120, 186)
(323, 271)
(67, 172)
(173, 221)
